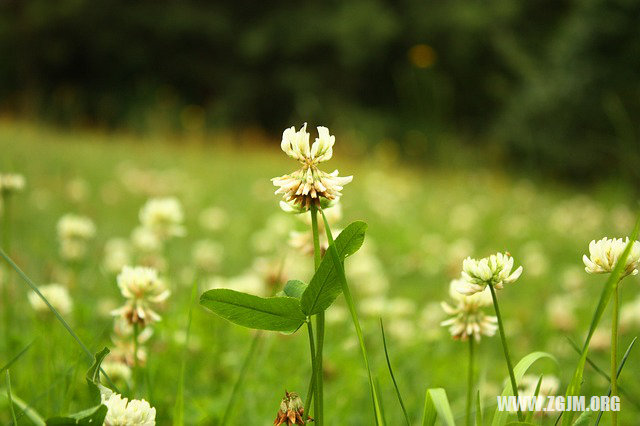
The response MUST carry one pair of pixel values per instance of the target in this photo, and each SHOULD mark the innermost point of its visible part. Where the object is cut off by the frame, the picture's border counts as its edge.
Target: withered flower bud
(291, 411)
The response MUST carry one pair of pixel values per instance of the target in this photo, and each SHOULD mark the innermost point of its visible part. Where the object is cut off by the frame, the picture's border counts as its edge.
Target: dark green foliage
(554, 83)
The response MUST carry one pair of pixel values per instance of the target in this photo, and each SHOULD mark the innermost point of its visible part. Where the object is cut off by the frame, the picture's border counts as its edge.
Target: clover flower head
(467, 318)
(495, 270)
(56, 294)
(604, 255)
(143, 289)
(163, 216)
(291, 411)
(74, 227)
(11, 183)
(125, 412)
(117, 254)
(308, 185)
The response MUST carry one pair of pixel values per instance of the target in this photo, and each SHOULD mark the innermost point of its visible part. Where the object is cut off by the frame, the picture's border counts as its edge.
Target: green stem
(238, 384)
(514, 384)
(354, 316)
(13, 413)
(614, 351)
(136, 366)
(319, 392)
(6, 294)
(470, 381)
(312, 381)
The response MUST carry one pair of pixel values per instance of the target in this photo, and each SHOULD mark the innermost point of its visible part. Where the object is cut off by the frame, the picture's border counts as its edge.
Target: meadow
(422, 223)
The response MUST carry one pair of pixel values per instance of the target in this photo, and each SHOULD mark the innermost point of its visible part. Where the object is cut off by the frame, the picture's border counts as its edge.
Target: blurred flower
(11, 183)
(247, 282)
(118, 371)
(77, 189)
(560, 311)
(124, 348)
(309, 184)
(124, 412)
(467, 318)
(604, 255)
(56, 294)
(213, 218)
(164, 217)
(145, 240)
(494, 270)
(142, 288)
(117, 254)
(73, 234)
(630, 315)
(207, 255)
(422, 55)
(548, 387)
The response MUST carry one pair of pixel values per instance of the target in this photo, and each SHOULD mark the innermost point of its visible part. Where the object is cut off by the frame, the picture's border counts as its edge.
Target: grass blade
(25, 409)
(436, 405)
(62, 321)
(333, 253)
(393, 378)
(622, 363)
(529, 416)
(16, 358)
(238, 384)
(500, 417)
(478, 409)
(13, 413)
(178, 411)
(576, 382)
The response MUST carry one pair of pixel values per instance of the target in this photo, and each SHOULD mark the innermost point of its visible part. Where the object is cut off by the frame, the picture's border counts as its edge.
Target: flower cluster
(11, 183)
(604, 255)
(494, 270)
(143, 289)
(309, 185)
(74, 232)
(56, 294)
(125, 412)
(467, 318)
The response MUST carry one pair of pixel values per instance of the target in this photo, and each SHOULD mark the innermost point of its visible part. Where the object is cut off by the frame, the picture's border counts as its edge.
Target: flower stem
(136, 366)
(514, 384)
(319, 394)
(614, 351)
(470, 381)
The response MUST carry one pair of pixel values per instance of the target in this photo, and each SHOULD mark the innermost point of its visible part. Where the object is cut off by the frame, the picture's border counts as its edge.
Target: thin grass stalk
(73, 334)
(614, 349)
(178, 412)
(13, 413)
(312, 381)
(470, 382)
(27, 410)
(354, 316)
(505, 348)
(6, 294)
(136, 364)
(393, 377)
(319, 392)
(238, 384)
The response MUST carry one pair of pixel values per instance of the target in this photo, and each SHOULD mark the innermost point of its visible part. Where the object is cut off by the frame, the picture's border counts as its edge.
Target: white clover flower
(494, 270)
(309, 185)
(11, 183)
(56, 294)
(164, 217)
(124, 412)
(143, 289)
(604, 255)
(117, 371)
(145, 240)
(74, 227)
(467, 318)
(117, 254)
(207, 254)
(213, 218)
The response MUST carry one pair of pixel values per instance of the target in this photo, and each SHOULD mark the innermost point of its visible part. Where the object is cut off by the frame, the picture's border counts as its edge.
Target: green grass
(422, 223)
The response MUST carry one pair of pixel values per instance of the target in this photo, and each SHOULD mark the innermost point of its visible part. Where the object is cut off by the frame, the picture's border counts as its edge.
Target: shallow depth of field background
(469, 128)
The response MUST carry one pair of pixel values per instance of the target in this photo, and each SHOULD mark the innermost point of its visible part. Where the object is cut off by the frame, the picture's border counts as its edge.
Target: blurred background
(544, 86)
